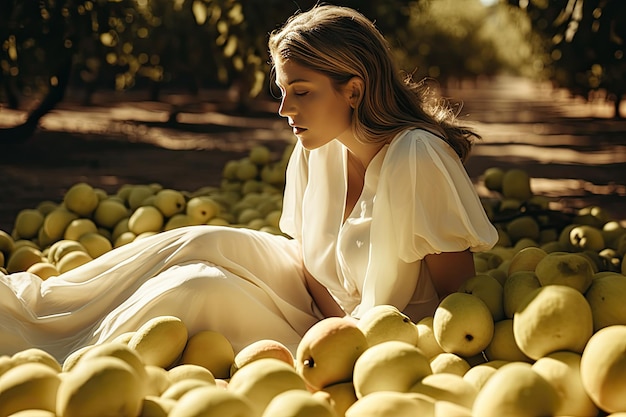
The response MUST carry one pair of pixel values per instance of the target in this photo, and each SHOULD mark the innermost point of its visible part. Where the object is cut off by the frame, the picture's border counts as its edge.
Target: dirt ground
(574, 151)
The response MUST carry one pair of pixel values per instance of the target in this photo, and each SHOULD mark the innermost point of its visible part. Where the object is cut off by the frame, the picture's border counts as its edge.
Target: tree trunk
(21, 133)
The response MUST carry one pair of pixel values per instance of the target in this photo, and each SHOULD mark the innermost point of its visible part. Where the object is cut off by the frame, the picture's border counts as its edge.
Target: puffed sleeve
(296, 179)
(433, 202)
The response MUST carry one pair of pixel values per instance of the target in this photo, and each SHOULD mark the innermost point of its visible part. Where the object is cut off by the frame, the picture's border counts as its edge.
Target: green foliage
(586, 44)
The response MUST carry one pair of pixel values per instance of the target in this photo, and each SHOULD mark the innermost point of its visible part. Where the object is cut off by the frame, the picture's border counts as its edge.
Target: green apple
(109, 212)
(606, 296)
(73, 260)
(492, 178)
(62, 247)
(523, 227)
(138, 195)
(260, 155)
(28, 222)
(585, 237)
(169, 202)
(516, 184)
(177, 220)
(246, 170)
(81, 198)
(23, 258)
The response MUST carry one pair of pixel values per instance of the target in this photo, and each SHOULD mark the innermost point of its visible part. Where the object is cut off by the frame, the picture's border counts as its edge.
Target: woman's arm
(450, 270)
(322, 298)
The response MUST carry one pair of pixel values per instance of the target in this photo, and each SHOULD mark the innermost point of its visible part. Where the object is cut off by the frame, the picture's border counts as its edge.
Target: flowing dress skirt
(246, 284)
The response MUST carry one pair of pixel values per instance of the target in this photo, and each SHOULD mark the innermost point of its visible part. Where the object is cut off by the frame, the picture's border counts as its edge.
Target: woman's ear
(354, 90)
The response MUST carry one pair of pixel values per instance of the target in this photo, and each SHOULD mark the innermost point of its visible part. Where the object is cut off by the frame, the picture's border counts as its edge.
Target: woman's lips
(298, 130)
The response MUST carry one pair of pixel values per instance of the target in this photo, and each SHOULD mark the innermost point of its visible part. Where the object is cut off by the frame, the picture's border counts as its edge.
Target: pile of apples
(540, 330)
(55, 237)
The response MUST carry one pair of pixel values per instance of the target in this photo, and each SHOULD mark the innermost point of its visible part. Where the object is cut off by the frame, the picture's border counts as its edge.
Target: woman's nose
(286, 108)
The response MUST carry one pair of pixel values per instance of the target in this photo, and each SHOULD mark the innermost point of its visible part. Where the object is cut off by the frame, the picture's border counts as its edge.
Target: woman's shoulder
(415, 145)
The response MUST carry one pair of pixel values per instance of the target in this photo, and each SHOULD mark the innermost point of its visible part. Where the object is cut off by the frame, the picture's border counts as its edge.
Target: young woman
(377, 202)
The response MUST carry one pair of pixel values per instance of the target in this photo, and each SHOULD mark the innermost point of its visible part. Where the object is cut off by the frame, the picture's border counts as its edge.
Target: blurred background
(122, 91)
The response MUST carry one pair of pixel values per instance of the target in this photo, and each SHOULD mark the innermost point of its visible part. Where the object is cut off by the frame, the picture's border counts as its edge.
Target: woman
(377, 201)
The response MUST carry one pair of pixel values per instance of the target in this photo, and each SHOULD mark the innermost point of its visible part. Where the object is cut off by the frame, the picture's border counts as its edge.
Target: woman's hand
(449, 270)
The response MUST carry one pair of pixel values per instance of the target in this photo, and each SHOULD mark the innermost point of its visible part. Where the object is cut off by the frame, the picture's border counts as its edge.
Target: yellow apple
(603, 368)
(565, 268)
(463, 324)
(211, 350)
(562, 370)
(260, 155)
(340, 396)
(146, 219)
(201, 209)
(78, 227)
(81, 198)
(23, 258)
(137, 195)
(449, 363)
(328, 351)
(148, 340)
(526, 259)
(43, 270)
(95, 244)
(488, 289)
(178, 389)
(73, 260)
(264, 348)
(169, 202)
(389, 366)
(426, 340)
(447, 387)
(390, 403)
(478, 375)
(109, 212)
(246, 170)
(28, 222)
(503, 346)
(157, 380)
(298, 403)
(606, 296)
(211, 401)
(552, 318)
(177, 220)
(190, 371)
(516, 288)
(57, 221)
(36, 355)
(386, 322)
(27, 386)
(100, 386)
(515, 390)
(261, 380)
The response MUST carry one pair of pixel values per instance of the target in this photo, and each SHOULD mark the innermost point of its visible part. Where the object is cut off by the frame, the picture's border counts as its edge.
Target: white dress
(249, 285)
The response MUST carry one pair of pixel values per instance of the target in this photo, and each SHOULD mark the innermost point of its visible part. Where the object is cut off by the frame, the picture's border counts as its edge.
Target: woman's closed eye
(301, 93)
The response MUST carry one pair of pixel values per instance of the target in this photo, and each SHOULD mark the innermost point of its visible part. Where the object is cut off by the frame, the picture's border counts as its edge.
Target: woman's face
(316, 111)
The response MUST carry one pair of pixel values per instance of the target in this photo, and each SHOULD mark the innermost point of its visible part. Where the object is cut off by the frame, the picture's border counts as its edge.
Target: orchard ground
(573, 150)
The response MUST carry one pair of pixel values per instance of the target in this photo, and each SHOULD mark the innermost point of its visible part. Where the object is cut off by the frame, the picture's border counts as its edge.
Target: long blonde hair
(341, 43)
